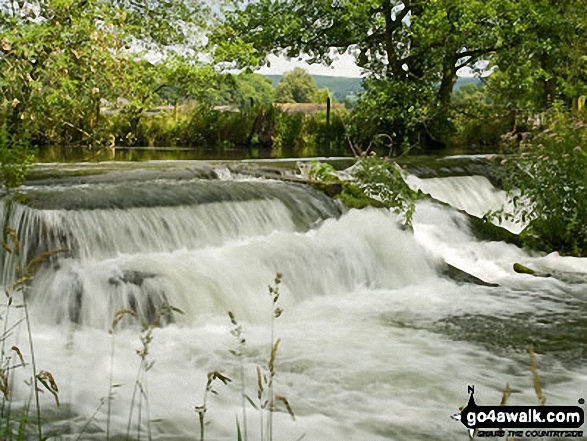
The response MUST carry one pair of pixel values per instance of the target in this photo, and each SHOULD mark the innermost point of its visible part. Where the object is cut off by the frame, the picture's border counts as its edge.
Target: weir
(208, 246)
(111, 230)
(369, 320)
(107, 220)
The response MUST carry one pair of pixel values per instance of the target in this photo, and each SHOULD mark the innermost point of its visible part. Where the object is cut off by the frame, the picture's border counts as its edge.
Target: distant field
(341, 87)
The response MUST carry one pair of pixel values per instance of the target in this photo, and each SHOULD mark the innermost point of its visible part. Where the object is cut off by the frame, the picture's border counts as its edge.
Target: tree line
(61, 60)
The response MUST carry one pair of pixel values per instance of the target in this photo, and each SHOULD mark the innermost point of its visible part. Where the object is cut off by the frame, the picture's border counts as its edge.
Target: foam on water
(473, 194)
(376, 343)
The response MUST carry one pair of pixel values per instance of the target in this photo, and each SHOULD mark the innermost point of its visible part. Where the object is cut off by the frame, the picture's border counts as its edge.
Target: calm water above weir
(376, 343)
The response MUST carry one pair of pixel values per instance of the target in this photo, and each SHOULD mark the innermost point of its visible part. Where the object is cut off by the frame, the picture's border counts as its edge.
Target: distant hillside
(461, 81)
(274, 79)
(339, 87)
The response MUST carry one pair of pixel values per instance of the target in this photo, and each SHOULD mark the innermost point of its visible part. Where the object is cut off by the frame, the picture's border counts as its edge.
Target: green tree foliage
(182, 80)
(478, 123)
(470, 93)
(419, 45)
(547, 182)
(416, 45)
(296, 86)
(15, 157)
(59, 58)
(399, 110)
(546, 57)
(242, 88)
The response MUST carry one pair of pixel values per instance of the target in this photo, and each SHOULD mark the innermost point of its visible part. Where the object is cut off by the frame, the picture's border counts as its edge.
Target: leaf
(48, 382)
(31, 265)
(239, 435)
(120, 314)
(273, 356)
(259, 383)
(286, 404)
(251, 402)
(15, 349)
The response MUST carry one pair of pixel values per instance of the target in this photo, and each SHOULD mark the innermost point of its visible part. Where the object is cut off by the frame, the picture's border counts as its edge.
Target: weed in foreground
(201, 410)
(267, 399)
(145, 365)
(13, 359)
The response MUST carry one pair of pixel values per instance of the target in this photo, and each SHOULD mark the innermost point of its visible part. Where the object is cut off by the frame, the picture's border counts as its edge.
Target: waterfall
(376, 343)
(100, 221)
(336, 258)
(474, 194)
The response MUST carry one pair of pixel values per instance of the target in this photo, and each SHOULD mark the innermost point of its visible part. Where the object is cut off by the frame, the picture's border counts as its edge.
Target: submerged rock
(521, 269)
(133, 277)
(460, 276)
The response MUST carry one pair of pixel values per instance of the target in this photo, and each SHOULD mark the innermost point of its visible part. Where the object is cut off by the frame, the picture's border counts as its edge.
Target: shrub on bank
(548, 166)
(261, 127)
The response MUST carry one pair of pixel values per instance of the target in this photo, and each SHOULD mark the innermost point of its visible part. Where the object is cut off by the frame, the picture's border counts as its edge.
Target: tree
(187, 80)
(537, 47)
(414, 44)
(296, 86)
(59, 58)
(242, 88)
(548, 61)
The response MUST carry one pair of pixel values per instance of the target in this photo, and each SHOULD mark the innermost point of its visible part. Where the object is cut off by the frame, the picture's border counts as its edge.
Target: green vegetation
(341, 88)
(66, 67)
(60, 58)
(376, 182)
(412, 64)
(546, 180)
(296, 86)
(15, 157)
(20, 423)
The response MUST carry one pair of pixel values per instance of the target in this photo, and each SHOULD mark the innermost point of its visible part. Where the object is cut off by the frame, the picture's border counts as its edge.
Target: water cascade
(376, 342)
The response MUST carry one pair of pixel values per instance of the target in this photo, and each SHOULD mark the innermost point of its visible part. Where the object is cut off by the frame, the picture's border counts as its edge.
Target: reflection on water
(86, 154)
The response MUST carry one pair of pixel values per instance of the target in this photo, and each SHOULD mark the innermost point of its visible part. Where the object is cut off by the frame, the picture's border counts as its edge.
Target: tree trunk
(395, 69)
(550, 91)
(449, 77)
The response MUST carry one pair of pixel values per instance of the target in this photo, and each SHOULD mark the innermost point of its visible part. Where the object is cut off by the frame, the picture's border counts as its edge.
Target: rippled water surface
(376, 342)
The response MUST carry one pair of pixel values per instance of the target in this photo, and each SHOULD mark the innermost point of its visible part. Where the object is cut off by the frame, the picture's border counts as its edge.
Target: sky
(343, 67)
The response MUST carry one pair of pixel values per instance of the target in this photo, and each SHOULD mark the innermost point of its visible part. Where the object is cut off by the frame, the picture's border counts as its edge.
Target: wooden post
(328, 124)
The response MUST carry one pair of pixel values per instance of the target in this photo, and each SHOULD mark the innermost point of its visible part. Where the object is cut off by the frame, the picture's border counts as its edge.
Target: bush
(382, 180)
(16, 155)
(397, 109)
(548, 167)
(479, 126)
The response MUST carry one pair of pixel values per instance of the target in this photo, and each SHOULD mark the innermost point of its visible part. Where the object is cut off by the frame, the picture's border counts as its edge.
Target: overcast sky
(344, 67)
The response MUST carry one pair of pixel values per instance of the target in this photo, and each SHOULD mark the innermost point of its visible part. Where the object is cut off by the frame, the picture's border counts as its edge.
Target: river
(376, 342)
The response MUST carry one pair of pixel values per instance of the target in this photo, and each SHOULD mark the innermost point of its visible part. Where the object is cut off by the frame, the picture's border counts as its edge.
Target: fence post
(328, 124)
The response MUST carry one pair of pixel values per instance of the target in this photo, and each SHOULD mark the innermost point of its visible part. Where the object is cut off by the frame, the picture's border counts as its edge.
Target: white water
(473, 194)
(376, 344)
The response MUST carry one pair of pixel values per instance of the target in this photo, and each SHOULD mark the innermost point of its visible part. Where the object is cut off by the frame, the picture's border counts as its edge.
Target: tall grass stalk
(536, 377)
(24, 274)
(238, 352)
(275, 313)
(120, 314)
(201, 410)
(145, 365)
